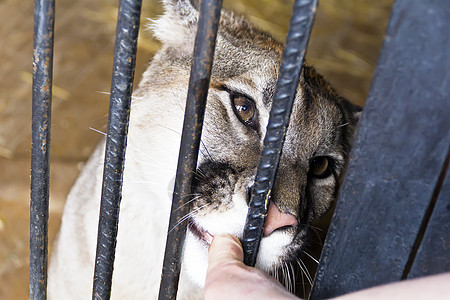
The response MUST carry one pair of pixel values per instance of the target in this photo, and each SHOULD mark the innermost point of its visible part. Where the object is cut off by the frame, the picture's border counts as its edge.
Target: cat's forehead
(244, 60)
(244, 49)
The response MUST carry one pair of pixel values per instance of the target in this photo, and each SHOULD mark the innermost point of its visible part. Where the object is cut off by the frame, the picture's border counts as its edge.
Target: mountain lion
(242, 85)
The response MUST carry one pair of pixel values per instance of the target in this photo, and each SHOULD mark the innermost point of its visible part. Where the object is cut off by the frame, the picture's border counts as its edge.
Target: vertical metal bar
(119, 112)
(288, 80)
(44, 18)
(190, 140)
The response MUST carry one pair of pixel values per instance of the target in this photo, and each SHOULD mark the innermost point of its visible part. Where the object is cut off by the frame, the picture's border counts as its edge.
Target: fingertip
(225, 248)
(224, 239)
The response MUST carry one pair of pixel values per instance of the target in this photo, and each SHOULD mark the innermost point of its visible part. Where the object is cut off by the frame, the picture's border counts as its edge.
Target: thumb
(225, 249)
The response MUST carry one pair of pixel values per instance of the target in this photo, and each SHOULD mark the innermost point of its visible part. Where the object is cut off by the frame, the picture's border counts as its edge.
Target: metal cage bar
(44, 20)
(119, 112)
(205, 41)
(288, 80)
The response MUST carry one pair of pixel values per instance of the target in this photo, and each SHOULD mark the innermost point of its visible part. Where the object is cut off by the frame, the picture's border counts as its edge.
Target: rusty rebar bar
(190, 140)
(119, 112)
(44, 20)
(288, 80)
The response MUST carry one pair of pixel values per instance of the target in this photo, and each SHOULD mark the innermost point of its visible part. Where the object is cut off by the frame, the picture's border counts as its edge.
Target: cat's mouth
(199, 232)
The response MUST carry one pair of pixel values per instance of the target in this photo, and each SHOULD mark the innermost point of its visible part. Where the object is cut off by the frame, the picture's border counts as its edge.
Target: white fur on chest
(150, 165)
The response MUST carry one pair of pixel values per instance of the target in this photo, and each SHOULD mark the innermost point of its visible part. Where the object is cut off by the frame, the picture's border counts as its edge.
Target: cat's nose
(276, 219)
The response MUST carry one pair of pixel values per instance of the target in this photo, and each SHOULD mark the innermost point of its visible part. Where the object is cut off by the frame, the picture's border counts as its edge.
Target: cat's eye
(320, 167)
(244, 108)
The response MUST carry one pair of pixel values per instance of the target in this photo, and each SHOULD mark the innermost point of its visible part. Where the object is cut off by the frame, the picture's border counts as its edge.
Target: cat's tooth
(207, 237)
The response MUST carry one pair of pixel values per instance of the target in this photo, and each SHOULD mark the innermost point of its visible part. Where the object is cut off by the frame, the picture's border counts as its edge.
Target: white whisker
(303, 284)
(312, 227)
(287, 281)
(286, 278)
(104, 93)
(289, 278)
(190, 201)
(284, 275)
(310, 256)
(274, 272)
(137, 98)
(98, 131)
(293, 277)
(187, 216)
(200, 173)
(305, 270)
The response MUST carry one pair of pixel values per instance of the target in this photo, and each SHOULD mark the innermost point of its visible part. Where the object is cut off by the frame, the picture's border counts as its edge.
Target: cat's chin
(273, 249)
(195, 257)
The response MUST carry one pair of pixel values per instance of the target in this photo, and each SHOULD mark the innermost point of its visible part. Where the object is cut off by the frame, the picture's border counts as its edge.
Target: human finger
(224, 249)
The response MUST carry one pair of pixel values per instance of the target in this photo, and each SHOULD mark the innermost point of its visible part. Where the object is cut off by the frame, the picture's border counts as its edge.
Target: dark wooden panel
(433, 256)
(400, 149)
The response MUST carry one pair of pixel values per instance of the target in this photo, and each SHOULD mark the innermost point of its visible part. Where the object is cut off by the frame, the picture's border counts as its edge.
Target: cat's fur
(245, 68)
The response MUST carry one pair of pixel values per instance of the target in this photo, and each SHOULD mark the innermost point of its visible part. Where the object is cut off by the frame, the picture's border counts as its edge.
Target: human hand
(228, 278)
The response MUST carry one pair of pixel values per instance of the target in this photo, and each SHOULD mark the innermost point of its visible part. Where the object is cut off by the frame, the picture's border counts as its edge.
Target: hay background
(344, 47)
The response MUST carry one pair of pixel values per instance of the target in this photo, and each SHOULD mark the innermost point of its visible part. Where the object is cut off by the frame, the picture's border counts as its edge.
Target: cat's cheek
(230, 220)
(271, 249)
(197, 253)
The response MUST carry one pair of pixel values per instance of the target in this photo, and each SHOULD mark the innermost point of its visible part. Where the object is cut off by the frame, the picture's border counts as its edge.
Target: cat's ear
(352, 114)
(178, 25)
(353, 111)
